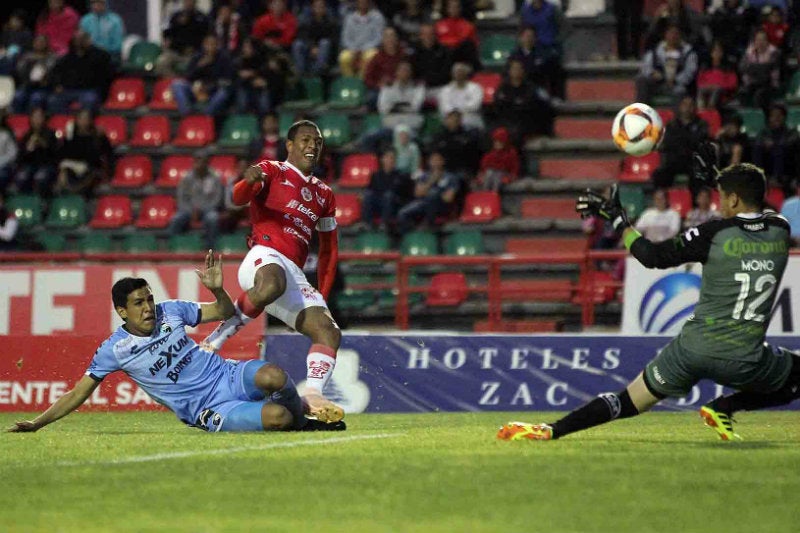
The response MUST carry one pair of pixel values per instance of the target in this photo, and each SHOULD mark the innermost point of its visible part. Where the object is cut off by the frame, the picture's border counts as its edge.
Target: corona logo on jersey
(668, 302)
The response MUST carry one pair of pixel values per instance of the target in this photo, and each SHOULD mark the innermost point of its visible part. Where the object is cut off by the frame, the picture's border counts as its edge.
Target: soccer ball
(637, 129)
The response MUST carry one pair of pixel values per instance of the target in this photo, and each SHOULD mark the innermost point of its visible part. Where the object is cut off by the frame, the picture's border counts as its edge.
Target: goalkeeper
(744, 257)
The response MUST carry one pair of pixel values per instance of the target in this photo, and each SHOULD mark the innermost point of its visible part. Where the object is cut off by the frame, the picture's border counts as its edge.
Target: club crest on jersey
(166, 328)
(306, 193)
(320, 199)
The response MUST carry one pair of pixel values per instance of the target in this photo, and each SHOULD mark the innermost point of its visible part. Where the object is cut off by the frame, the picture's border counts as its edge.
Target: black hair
(300, 124)
(747, 181)
(123, 287)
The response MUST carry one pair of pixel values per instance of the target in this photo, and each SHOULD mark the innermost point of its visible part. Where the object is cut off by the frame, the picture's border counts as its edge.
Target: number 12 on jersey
(764, 286)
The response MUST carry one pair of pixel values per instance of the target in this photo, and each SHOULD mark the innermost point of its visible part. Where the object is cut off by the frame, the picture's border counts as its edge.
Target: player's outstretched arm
(211, 278)
(251, 183)
(63, 406)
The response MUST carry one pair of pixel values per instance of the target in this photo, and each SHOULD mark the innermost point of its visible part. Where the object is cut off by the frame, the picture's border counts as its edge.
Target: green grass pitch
(387, 473)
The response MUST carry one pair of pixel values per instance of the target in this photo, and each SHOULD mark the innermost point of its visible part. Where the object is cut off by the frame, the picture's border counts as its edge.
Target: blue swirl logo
(656, 315)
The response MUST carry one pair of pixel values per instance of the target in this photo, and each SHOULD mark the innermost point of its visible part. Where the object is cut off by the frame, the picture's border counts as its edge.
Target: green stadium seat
(353, 299)
(753, 120)
(388, 298)
(372, 242)
(793, 118)
(232, 243)
(335, 129)
(67, 212)
(143, 56)
(419, 243)
(372, 123)
(431, 126)
(347, 92)
(140, 243)
(239, 130)
(305, 93)
(285, 121)
(495, 49)
(96, 243)
(52, 242)
(633, 200)
(186, 243)
(469, 242)
(27, 208)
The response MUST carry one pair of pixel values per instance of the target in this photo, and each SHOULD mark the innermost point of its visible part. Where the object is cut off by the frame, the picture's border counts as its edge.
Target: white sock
(227, 329)
(320, 362)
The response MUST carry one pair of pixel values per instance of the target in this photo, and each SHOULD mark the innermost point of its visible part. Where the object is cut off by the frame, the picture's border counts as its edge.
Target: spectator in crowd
(717, 82)
(703, 211)
(232, 215)
(669, 69)
(791, 210)
(431, 61)
(545, 19)
(254, 78)
(775, 149)
(760, 68)
(406, 150)
(105, 28)
(729, 26)
(542, 65)
(401, 101)
(277, 27)
(601, 234)
(316, 40)
(628, 15)
(269, 144)
(82, 76)
(674, 13)
(58, 23)
(207, 82)
(458, 35)
(182, 39)
(15, 39)
(382, 67)
(659, 223)
(500, 165)
(435, 193)
(33, 73)
(522, 106)
(409, 20)
(199, 196)
(732, 142)
(229, 28)
(362, 32)
(85, 157)
(463, 95)
(8, 226)
(8, 151)
(38, 149)
(458, 145)
(384, 193)
(682, 137)
(775, 27)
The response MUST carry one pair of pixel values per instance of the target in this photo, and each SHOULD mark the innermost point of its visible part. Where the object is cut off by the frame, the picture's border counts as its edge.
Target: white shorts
(299, 293)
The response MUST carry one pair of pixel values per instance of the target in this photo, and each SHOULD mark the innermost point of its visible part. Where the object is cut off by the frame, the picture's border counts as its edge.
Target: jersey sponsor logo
(306, 194)
(165, 357)
(736, 247)
(758, 226)
(298, 222)
(291, 231)
(668, 301)
(294, 204)
(691, 233)
(310, 293)
(179, 366)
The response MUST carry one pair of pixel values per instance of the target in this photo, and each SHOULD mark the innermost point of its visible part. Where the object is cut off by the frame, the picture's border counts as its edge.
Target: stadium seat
(59, 124)
(112, 212)
(793, 118)
(232, 243)
(27, 208)
(604, 285)
(489, 82)
(495, 49)
(353, 298)
(195, 131)
(186, 243)
(140, 243)
(162, 96)
(467, 242)
(19, 124)
(115, 128)
(133, 171)
(143, 56)
(173, 168)
(372, 123)
(793, 88)
(680, 199)
(601, 90)
(666, 114)
(431, 126)
(239, 130)
(357, 170)
(753, 121)
(775, 197)
(125, 94)
(307, 92)
(447, 289)
(285, 121)
(371, 242)
(156, 211)
(481, 207)
(96, 243)
(579, 169)
(523, 245)
(347, 92)
(150, 132)
(419, 243)
(632, 199)
(67, 212)
(225, 166)
(52, 242)
(549, 208)
(711, 116)
(348, 209)
(335, 128)
(639, 169)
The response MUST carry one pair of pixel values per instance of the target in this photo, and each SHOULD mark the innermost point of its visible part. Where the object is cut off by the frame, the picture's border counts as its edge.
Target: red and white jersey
(287, 209)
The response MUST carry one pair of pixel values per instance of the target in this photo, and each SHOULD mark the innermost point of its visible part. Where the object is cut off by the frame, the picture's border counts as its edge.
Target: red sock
(247, 307)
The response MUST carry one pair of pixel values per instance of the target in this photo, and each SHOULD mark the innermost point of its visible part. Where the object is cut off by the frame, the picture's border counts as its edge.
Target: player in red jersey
(286, 205)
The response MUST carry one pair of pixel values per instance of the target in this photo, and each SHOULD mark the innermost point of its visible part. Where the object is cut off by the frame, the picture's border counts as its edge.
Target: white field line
(226, 451)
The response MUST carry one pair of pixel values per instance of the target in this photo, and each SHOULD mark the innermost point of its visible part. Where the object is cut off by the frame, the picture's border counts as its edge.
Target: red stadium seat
(115, 127)
(775, 197)
(666, 115)
(195, 131)
(711, 116)
(357, 169)
(112, 212)
(554, 208)
(150, 132)
(156, 211)
(162, 96)
(639, 169)
(19, 124)
(59, 123)
(481, 207)
(225, 166)
(173, 168)
(348, 209)
(680, 199)
(125, 94)
(133, 171)
(489, 82)
(523, 246)
(447, 288)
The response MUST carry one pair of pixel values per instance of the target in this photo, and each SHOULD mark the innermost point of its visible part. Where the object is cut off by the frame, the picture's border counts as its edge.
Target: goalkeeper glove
(592, 204)
(704, 164)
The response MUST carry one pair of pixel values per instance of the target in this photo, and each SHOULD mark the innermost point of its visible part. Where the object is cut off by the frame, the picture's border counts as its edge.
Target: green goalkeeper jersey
(743, 259)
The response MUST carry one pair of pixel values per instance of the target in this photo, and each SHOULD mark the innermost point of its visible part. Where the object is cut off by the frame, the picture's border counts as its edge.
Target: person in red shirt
(277, 27)
(286, 205)
(58, 24)
(776, 28)
(500, 165)
(459, 35)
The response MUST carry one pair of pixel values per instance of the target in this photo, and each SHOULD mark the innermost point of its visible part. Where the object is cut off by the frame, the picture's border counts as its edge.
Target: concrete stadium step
(583, 128)
(549, 208)
(579, 169)
(601, 90)
(524, 246)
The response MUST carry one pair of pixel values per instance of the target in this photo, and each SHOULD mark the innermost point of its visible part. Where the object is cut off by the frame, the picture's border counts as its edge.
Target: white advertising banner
(658, 302)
